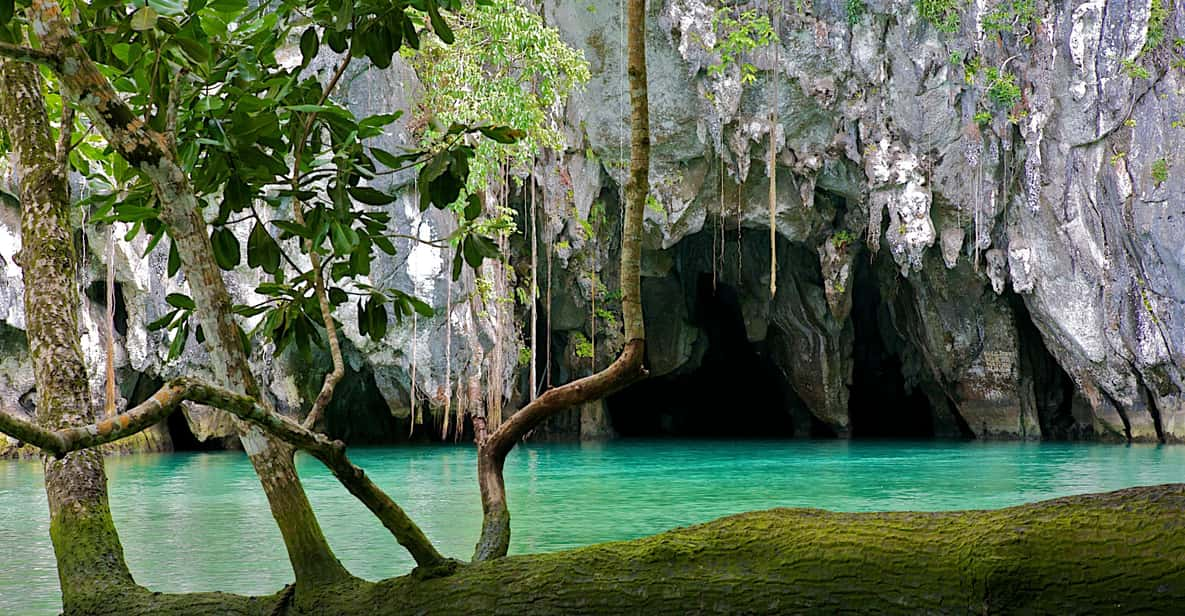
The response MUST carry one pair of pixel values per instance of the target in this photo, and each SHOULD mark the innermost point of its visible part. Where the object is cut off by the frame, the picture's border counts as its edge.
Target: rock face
(953, 259)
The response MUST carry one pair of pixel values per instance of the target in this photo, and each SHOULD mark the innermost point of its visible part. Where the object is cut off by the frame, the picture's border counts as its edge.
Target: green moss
(942, 14)
(1002, 88)
(1158, 16)
(855, 9)
(1120, 551)
(1015, 17)
(1160, 171)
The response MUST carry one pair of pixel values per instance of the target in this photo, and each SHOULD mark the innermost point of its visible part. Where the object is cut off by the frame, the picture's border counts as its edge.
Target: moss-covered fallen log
(1119, 552)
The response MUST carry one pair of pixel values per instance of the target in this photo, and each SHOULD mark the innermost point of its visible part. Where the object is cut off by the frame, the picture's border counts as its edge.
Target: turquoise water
(194, 522)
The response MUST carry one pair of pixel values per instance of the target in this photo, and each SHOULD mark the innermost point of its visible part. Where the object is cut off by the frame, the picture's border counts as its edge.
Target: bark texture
(148, 150)
(89, 555)
(1119, 552)
(495, 528)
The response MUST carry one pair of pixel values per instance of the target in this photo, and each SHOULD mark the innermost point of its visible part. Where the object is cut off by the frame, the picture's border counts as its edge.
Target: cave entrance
(1054, 393)
(735, 392)
(183, 437)
(881, 403)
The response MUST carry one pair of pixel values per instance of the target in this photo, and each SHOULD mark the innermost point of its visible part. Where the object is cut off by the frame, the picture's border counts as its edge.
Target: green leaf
(378, 321)
(384, 244)
(343, 237)
(445, 190)
(370, 196)
(473, 209)
(438, 24)
(226, 248)
(409, 33)
(472, 253)
(308, 45)
(163, 321)
(228, 7)
(249, 311)
(420, 306)
(6, 10)
(167, 7)
(174, 259)
(178, 300)
(178, 344)
(262, 250)
(292, 228)
(458, 263)
(345, 16)
(502, 134)
(337, 296)
(198, 52)
(144, 19)
(379, 121)
(8, 198)
(390, 160)
(336, 40)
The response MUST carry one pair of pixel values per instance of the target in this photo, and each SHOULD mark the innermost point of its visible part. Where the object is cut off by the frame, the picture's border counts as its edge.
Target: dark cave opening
(735, 392)
(1054, 392)
(97, 292)
(180, 434)
(184, 439)
(881, 403)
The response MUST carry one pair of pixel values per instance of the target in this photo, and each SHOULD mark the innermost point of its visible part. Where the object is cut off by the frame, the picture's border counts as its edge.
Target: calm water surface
(197, 522)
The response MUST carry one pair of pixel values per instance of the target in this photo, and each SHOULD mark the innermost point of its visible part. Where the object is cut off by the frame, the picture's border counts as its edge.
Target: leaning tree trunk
(311, 557)
(89, 555)
(1120, 552)
(492, 449)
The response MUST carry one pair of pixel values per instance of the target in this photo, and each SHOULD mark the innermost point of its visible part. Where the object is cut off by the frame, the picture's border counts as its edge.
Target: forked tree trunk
(308, 551)
(495, 529)
(89, 555)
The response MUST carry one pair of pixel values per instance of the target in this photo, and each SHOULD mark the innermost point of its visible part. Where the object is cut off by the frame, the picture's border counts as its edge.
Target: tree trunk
(312, 559)
(1120, 552)
(89, 555)
(495, 527)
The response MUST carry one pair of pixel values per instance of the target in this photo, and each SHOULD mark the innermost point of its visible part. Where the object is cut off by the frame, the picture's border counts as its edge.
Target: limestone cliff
(989, 214)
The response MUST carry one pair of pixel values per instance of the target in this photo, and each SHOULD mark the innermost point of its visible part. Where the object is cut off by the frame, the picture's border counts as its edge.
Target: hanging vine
(773, 170)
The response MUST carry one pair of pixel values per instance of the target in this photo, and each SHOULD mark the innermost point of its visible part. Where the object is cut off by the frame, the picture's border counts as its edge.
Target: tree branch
(492, 449)
(331, 453)
(65, 135)
(335, 350)
(28, 54)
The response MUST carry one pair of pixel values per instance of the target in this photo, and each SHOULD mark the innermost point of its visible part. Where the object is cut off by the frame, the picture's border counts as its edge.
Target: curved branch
(335, 349)
(331, 453)
(28, 54)
(492, 449)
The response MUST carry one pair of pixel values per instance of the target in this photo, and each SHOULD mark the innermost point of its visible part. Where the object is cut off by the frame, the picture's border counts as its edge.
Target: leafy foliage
(1011, 16)
(942, 14)
(737, 33)
(255, 129)
(1160, 171)
(855, 9)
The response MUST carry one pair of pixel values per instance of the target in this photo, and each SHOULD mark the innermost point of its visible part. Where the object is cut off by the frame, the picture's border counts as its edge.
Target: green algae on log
(1115, 552)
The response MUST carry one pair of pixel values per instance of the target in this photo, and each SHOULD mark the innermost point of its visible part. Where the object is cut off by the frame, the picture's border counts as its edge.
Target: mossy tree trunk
(309, 553)
(492, 450)
(89, 555)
